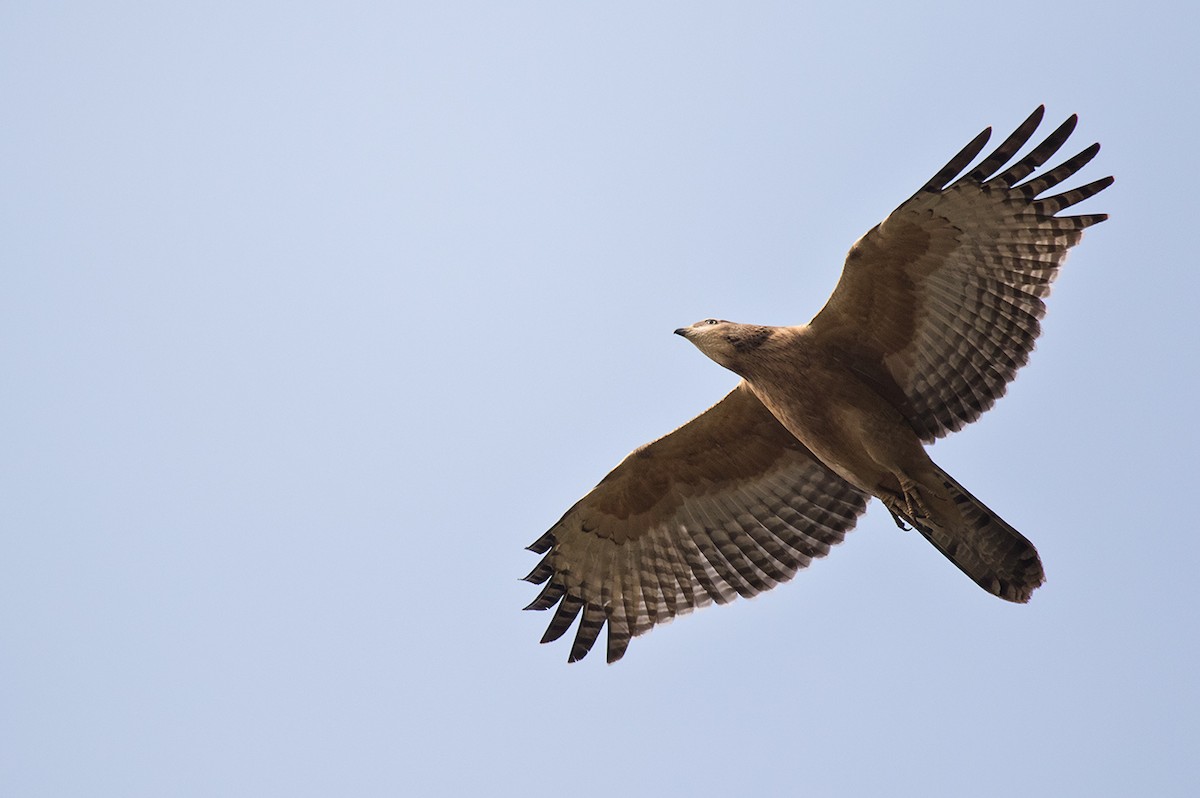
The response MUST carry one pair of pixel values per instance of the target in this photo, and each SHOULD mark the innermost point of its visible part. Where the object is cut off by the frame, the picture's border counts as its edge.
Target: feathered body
(936, 310)
(863, 438)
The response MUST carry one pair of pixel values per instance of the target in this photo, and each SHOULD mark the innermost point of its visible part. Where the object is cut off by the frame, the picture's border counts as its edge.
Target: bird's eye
(711, 321)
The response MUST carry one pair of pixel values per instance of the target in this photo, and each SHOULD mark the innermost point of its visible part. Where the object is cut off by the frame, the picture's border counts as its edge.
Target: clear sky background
(313, 316)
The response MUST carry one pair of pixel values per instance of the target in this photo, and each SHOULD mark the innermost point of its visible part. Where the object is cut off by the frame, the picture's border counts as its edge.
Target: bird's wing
(729, 504)
(939, 305)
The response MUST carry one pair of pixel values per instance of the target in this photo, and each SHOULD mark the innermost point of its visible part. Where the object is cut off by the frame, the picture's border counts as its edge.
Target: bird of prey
(936, 310)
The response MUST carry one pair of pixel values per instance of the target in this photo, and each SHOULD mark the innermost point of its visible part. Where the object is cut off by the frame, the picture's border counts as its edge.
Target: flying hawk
(936, 310)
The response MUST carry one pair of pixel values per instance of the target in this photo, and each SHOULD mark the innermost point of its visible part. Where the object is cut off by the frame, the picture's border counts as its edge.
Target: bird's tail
(997, 557)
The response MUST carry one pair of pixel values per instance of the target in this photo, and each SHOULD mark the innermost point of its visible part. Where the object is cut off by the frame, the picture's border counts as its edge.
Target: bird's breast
(837, 416)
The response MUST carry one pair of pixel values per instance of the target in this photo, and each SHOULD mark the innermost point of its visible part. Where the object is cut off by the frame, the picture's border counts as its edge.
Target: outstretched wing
(939, 305)
(729, 504)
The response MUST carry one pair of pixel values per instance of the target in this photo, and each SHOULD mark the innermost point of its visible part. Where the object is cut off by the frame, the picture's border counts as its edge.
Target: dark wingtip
(550, 595)
(618, 643)
(564, 616)
(959, 162)
(540, 573)
(542, 544)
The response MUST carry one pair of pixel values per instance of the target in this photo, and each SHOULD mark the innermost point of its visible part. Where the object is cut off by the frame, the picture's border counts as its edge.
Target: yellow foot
(913, 500)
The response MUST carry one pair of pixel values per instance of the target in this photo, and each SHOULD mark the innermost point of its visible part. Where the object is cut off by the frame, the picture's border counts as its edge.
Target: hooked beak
(682, 331)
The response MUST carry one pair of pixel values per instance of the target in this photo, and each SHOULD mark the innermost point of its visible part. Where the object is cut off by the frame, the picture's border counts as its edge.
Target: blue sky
(313, 316)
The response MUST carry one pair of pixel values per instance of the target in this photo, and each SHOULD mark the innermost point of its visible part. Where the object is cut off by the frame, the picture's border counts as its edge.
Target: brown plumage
(936, 310)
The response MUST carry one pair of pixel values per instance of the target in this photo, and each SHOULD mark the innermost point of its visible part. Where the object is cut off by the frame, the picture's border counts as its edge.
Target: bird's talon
(900, 521)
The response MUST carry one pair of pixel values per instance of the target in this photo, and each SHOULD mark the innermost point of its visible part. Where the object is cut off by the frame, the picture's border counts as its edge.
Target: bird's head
(726, 342)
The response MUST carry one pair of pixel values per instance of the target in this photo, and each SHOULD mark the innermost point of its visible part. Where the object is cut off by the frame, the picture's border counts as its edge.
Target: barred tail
(997, 557)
